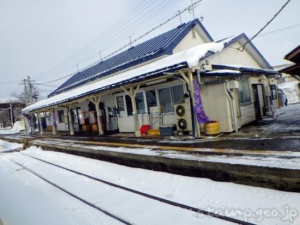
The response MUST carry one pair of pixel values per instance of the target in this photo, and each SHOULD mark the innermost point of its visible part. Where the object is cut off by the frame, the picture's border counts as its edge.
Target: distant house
(294, 57)
(8, 117)
(148, 84)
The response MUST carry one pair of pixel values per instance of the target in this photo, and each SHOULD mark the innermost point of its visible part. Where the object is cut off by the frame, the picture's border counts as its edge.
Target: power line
(264, 26)
(135, 40)
(280, 30)
(124, 20)
(110, 42)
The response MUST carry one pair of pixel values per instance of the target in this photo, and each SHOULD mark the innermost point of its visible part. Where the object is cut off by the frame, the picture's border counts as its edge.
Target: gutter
(232, 106)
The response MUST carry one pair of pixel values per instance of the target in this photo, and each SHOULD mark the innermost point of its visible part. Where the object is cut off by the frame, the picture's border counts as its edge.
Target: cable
(264, 26)
(124, 20)
(135, 40)
(279, 30)
(112, 42)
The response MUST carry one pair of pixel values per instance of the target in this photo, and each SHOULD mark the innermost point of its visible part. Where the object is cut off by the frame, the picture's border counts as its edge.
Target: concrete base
(137, 133)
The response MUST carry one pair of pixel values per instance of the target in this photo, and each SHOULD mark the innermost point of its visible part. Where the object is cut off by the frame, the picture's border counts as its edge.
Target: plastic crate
(167, 130)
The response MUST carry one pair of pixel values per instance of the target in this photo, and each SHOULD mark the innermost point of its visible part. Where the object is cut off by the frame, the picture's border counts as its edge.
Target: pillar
(70, 121)
(25, 124)
(54, 127)
(191, 87)
(40, 123)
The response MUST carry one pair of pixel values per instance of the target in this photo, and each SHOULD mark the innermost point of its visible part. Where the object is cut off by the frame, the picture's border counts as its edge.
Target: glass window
(151, 99)
(61, 116)
(273, 91)
(120, 103)
(165, 99)
(177, 94)
(244, 91)
(140, 103)
(170, 96)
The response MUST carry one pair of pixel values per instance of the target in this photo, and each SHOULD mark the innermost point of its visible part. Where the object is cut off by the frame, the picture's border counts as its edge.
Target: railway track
(136, 192)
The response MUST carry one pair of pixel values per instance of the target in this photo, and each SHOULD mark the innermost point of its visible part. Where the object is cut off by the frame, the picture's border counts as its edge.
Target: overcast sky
(48, 40)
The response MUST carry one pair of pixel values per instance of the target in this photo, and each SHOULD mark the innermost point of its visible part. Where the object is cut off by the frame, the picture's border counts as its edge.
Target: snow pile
(291, 90)
(8, 146)
(18, 126)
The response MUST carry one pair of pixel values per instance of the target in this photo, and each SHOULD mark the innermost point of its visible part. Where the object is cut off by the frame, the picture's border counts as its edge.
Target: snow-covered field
(27, 199)
(18, 126)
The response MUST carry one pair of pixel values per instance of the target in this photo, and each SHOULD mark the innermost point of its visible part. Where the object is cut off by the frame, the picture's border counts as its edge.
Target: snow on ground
(286, 119)
(275, 159)
(36, 202)
(18, 126)
(8, 146)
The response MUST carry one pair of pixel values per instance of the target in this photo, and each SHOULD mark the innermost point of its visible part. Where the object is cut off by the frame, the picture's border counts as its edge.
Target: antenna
(179, 17)
(192, 8)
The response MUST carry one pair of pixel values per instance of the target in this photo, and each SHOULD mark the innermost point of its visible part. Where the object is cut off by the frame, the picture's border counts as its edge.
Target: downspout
(232, 106)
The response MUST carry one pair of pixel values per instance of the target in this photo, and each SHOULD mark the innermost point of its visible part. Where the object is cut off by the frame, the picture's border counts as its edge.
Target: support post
(54, 128)
(40, 123)
(70, 120)
(132, 93)
(11, 114)
(25, 124)
(96, 101)
(32, 123)
(191, 87)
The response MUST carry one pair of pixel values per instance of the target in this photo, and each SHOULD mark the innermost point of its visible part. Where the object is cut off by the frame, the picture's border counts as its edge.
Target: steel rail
(176, 204)
(73, 195)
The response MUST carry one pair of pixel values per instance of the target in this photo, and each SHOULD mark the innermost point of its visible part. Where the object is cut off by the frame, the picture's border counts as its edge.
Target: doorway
(259, 101)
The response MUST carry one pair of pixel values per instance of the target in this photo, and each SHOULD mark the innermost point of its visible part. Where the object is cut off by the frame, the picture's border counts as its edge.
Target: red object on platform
(144, 129)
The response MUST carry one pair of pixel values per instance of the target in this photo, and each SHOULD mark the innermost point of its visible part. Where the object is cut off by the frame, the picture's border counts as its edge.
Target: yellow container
(211, 128)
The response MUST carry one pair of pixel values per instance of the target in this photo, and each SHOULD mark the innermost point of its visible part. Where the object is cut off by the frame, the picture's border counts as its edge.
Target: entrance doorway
(259, 101)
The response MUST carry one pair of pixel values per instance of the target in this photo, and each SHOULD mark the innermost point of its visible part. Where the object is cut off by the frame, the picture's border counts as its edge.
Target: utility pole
(11, 114)
(30, 93)
(26, 93)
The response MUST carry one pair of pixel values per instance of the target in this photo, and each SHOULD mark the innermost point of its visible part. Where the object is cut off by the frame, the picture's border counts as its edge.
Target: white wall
(192, 39)
(217, 105)
(231, 55)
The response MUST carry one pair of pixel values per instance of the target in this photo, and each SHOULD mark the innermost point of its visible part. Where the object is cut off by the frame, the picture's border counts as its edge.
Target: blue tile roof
(151, 49)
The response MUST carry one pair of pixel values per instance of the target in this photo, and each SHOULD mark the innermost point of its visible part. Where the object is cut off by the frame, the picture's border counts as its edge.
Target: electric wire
(119, 24)
(112, 42)
(264, 26)
(135, 40)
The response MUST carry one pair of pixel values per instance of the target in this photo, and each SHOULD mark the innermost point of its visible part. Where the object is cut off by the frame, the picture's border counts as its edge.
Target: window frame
(241, 89)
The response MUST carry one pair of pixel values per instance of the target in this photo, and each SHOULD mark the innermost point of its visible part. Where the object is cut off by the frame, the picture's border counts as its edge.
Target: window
(177, 94)
(273, 91)
(151, 99)
(140, 103)
(120, 103)
(244, 92)
(61, 116)
(170, 96)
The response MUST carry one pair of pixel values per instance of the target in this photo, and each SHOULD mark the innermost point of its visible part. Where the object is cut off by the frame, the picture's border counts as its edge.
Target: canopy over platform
(185, 59)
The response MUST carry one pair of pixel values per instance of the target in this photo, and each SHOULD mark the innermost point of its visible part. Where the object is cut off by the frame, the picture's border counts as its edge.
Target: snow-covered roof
(7, 100)
(234, 73)
(242, 68)
(183, 59)
(161, 45)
